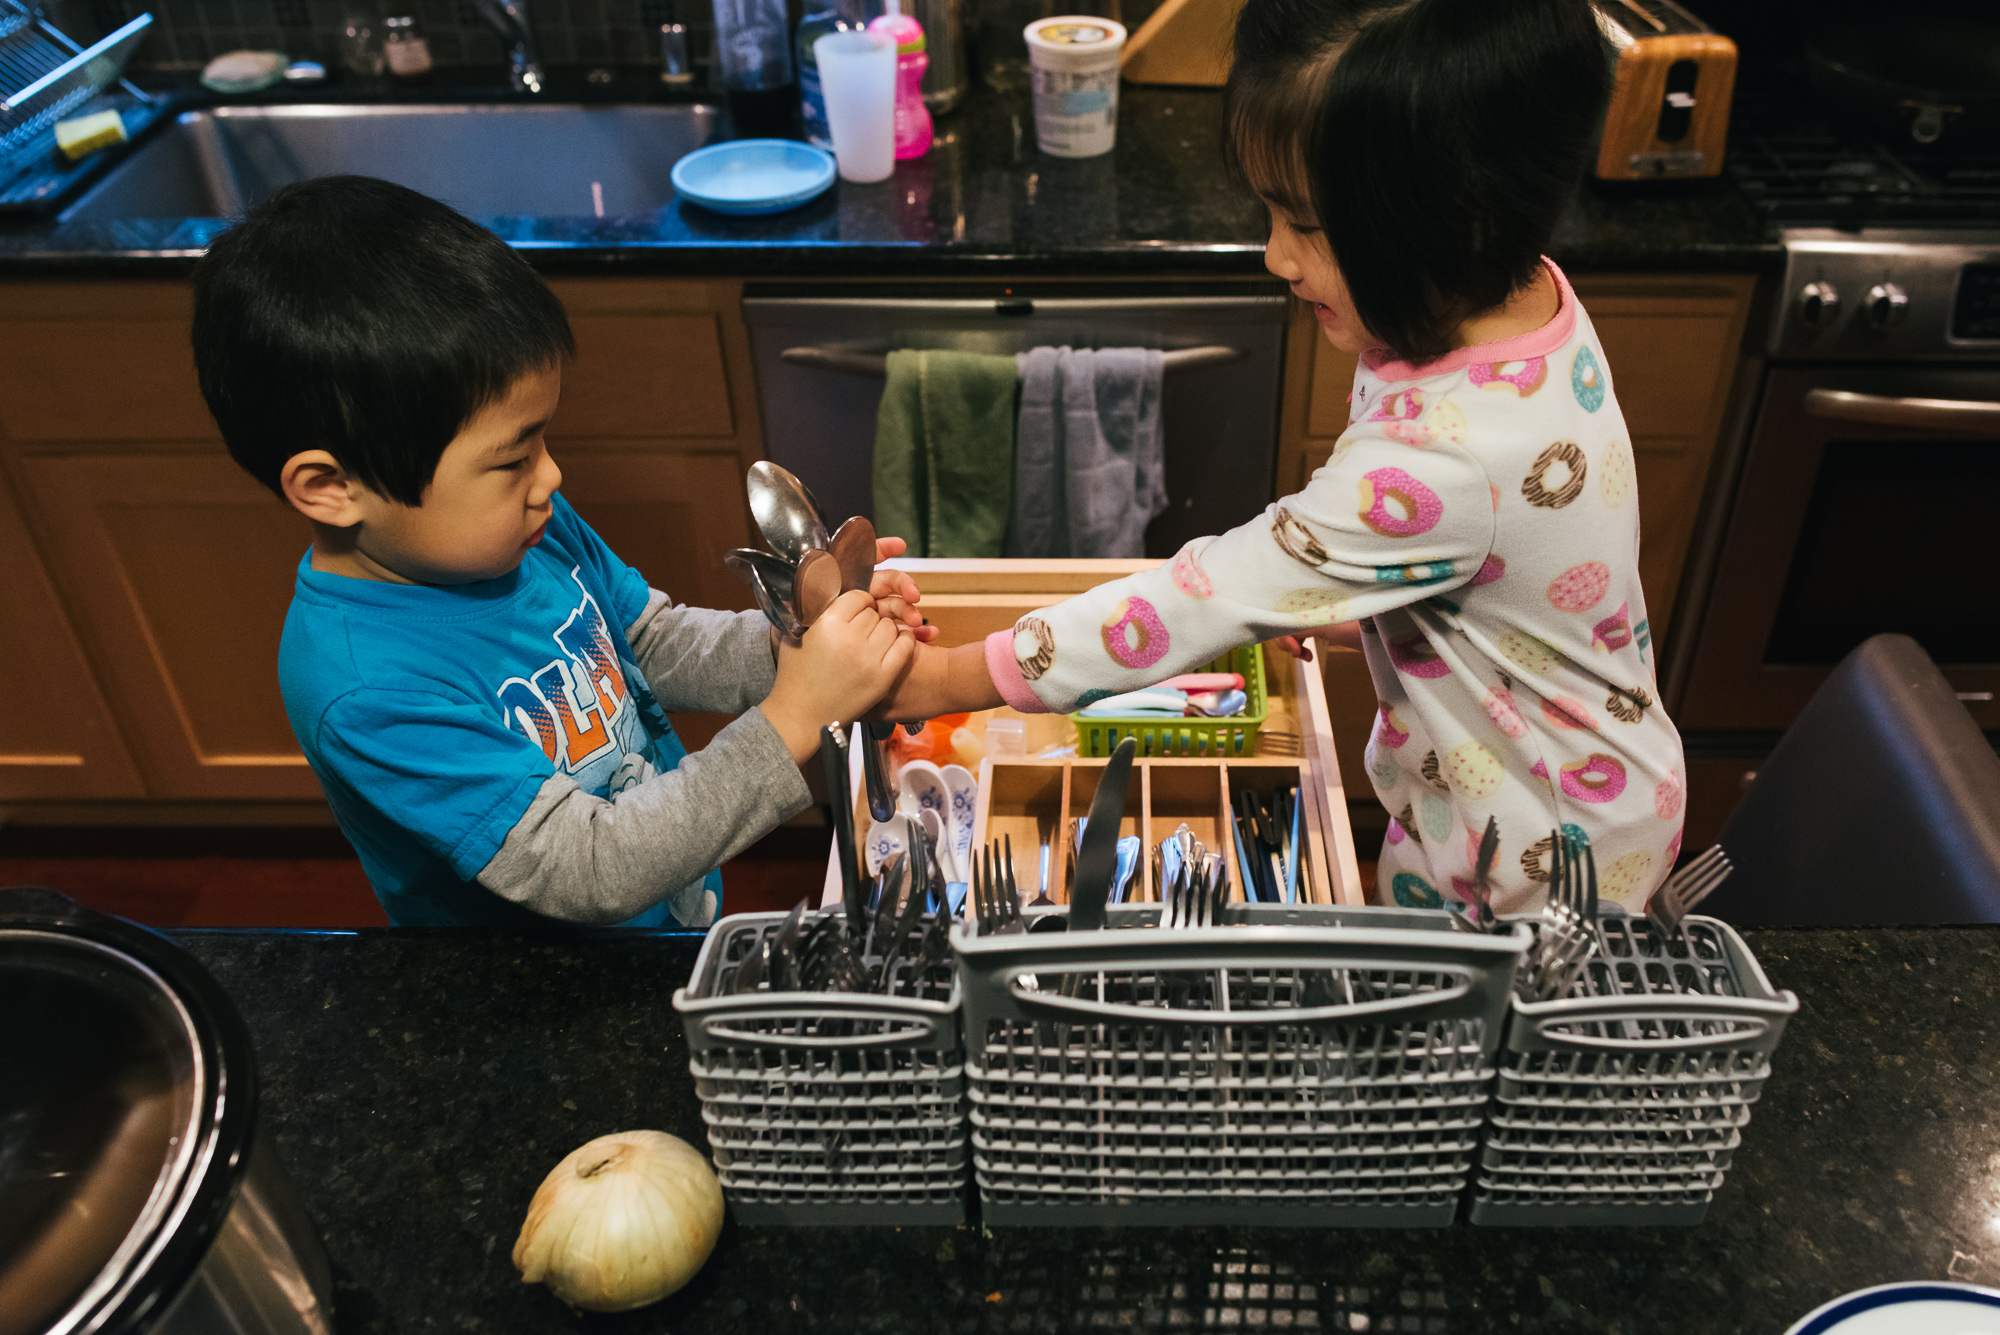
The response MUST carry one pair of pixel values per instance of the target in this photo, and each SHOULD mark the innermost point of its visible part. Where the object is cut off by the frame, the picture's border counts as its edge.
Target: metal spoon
(771, 580)
(786, 513)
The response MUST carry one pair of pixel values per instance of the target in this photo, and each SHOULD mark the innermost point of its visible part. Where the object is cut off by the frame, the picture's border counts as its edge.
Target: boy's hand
(843, 665)
(896, 593)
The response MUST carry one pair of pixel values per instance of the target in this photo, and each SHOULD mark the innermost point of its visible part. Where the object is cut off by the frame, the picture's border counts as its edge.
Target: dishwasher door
(1219, 416)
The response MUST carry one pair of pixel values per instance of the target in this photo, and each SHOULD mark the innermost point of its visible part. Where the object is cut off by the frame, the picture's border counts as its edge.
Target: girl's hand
(848, 660)
(1345, 635)
(896, 594)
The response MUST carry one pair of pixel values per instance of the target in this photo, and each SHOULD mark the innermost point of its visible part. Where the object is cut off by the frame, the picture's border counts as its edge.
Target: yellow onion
(622, 1222)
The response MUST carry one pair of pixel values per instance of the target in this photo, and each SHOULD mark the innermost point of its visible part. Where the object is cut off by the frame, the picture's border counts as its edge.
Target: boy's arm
(598, 860)
(700, 658)
(590, 859)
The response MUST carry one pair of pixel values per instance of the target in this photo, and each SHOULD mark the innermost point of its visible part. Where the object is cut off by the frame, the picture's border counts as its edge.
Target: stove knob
(1819, 304)
(1887, 305)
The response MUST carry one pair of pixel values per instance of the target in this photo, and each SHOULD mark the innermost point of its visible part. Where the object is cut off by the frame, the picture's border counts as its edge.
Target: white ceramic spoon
(885, 839)
(964, 789)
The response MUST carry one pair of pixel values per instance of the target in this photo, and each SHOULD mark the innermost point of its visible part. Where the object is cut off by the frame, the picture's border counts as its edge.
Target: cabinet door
(57, 738)
(179, 569)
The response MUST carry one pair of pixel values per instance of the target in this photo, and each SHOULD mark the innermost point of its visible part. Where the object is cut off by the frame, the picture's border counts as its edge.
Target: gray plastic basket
(1299, 1065)
(827, 1107)
(1625, 1103)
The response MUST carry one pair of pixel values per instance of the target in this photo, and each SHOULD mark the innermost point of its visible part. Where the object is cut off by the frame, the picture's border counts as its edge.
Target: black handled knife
(1097, 859)
(853, 891)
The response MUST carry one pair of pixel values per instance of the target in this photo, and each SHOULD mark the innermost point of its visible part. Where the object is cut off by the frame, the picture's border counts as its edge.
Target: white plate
(1920, 1308)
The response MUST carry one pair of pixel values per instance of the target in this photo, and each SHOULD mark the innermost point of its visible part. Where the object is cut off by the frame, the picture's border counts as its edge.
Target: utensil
(786, 974)
(771, 580)
(1098, 858)
(815, 584)
(914, 904)
(996, 904)
(750, 972)
(964, 789)
(833, 761)
(1686, 888)
(853, 547)
(885, 841)
(1482, 876)
(874, 769)
(1129, 849)
(933, 827)
(888, 900)
(786, 513)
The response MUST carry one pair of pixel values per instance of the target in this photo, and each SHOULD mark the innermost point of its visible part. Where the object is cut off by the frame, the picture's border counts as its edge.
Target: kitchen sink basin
(485, 160)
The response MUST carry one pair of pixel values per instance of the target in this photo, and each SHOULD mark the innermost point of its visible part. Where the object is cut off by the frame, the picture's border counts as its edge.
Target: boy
(477, 681)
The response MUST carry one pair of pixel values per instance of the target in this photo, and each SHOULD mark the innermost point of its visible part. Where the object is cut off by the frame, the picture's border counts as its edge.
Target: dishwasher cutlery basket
(827, 1107)
(1298, 1065)
(1623, 1104)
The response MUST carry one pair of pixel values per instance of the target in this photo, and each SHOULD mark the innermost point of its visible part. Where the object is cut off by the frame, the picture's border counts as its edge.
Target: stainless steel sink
(496, 160)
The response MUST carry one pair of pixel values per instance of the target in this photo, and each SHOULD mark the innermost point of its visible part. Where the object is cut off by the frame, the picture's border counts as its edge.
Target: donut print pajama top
(1479, 517)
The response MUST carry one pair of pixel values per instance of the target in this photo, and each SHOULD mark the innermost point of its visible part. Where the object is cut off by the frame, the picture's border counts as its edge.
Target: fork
(1686, 888)
(994, 903)
(1569, 918)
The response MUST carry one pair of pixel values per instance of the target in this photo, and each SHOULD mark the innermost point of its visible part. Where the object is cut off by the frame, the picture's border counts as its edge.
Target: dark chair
(1881, 804)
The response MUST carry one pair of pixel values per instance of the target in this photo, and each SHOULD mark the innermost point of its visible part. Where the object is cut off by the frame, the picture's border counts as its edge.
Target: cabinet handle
(1933, 414)
(861, 363)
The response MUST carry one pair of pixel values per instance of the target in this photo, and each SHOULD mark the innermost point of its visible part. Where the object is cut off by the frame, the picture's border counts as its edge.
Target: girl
(1478, 517)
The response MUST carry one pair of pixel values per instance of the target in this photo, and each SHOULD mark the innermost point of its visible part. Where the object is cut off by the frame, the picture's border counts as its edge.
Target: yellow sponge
(83, 135)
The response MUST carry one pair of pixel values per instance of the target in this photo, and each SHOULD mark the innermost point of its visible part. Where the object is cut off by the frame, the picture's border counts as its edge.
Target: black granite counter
(984, 202)
(421, 1084)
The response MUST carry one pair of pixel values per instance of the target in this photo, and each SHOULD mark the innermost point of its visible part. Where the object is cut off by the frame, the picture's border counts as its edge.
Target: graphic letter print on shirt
(1586, 379)
(1524, 379)
(1396, 505)
(1296, 540)
(1557, 477)
(570, 706)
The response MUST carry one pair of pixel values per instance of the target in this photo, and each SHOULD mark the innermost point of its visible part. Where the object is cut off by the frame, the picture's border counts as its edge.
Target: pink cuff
(1005, 670)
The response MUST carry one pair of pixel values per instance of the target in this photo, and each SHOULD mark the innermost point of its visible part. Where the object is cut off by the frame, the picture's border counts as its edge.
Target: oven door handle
(1925, 414)
(863, 364)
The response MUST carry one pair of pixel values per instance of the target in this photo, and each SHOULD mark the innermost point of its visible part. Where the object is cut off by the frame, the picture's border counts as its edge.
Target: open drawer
(1031, 798)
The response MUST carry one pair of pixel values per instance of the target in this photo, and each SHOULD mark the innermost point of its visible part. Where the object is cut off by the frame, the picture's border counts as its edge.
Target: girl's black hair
(1436, 142)
(362, 318)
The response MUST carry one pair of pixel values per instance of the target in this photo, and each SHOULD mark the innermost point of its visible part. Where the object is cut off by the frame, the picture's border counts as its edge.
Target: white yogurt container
(1074, 61)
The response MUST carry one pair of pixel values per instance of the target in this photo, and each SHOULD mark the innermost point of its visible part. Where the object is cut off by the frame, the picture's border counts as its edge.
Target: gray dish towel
(1090, 462)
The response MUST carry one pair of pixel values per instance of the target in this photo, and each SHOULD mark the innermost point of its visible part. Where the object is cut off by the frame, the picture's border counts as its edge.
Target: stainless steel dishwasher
(819, 380)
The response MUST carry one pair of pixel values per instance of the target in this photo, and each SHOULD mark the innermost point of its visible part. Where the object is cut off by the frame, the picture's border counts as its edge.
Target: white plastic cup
(1006, 737)
(1074, 63)
(857, 74)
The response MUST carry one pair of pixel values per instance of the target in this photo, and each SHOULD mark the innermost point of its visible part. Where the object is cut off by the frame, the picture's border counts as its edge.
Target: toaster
(1669, 113)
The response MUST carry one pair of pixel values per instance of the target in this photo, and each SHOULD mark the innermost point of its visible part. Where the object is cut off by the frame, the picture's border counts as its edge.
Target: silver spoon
(771, 580)
(786, 513)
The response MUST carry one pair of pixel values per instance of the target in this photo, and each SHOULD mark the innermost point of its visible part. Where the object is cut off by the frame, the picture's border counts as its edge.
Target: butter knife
(1097, 860)
(853, 893)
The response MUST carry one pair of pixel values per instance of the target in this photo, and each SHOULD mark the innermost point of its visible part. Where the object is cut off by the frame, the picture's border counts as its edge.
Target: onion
(622, 1222)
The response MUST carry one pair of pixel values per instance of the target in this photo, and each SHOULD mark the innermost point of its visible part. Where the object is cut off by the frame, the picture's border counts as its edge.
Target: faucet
(509, 18)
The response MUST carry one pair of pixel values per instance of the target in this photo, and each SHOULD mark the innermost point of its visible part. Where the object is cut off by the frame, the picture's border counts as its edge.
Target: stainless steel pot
(140, 1195)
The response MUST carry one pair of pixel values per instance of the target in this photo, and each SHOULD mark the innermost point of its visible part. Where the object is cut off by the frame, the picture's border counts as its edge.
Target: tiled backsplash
(187, 33)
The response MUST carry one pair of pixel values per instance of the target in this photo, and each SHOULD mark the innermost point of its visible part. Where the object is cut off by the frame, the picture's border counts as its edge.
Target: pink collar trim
(1520, 348)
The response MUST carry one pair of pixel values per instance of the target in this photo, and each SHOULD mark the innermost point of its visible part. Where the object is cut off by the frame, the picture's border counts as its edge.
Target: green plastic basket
(1098, 736)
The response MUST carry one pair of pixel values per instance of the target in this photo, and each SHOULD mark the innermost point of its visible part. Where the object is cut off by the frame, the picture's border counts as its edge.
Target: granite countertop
(985, 201)
(421, 1083)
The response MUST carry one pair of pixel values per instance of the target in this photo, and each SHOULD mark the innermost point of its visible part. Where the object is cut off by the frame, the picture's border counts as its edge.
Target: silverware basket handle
(1747, 1030)
(1052, 1006)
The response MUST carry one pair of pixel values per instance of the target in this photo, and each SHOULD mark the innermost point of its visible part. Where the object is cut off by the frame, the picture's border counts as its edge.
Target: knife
(1097, 860)
(881, 800)
(853, 893)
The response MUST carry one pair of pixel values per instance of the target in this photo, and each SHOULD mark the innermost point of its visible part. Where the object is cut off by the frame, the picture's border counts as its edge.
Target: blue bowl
(749, 176)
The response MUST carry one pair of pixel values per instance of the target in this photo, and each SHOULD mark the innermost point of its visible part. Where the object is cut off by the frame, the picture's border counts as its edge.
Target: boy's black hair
(362, 318)
(1436, 142)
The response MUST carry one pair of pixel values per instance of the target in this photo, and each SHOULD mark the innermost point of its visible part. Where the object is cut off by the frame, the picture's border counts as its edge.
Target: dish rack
(44, 78)
(1300, 1064)
(827, 1107)
(1624, 1105)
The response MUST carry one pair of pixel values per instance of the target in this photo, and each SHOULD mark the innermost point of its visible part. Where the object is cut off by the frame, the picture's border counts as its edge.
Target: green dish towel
(944, 452)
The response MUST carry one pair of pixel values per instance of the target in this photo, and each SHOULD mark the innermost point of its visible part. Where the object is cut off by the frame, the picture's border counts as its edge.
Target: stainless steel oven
(1869, 493)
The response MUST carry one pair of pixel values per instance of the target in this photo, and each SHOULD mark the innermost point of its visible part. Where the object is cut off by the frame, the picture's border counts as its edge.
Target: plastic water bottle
(913, 118)
(834, 17)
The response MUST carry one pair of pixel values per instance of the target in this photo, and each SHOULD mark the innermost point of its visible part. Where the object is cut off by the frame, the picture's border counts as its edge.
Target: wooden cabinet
(144, 559)
(57, 736)
(1671, 344)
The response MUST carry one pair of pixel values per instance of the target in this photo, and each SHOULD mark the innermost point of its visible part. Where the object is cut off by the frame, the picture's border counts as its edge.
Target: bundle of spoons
(805, 569)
